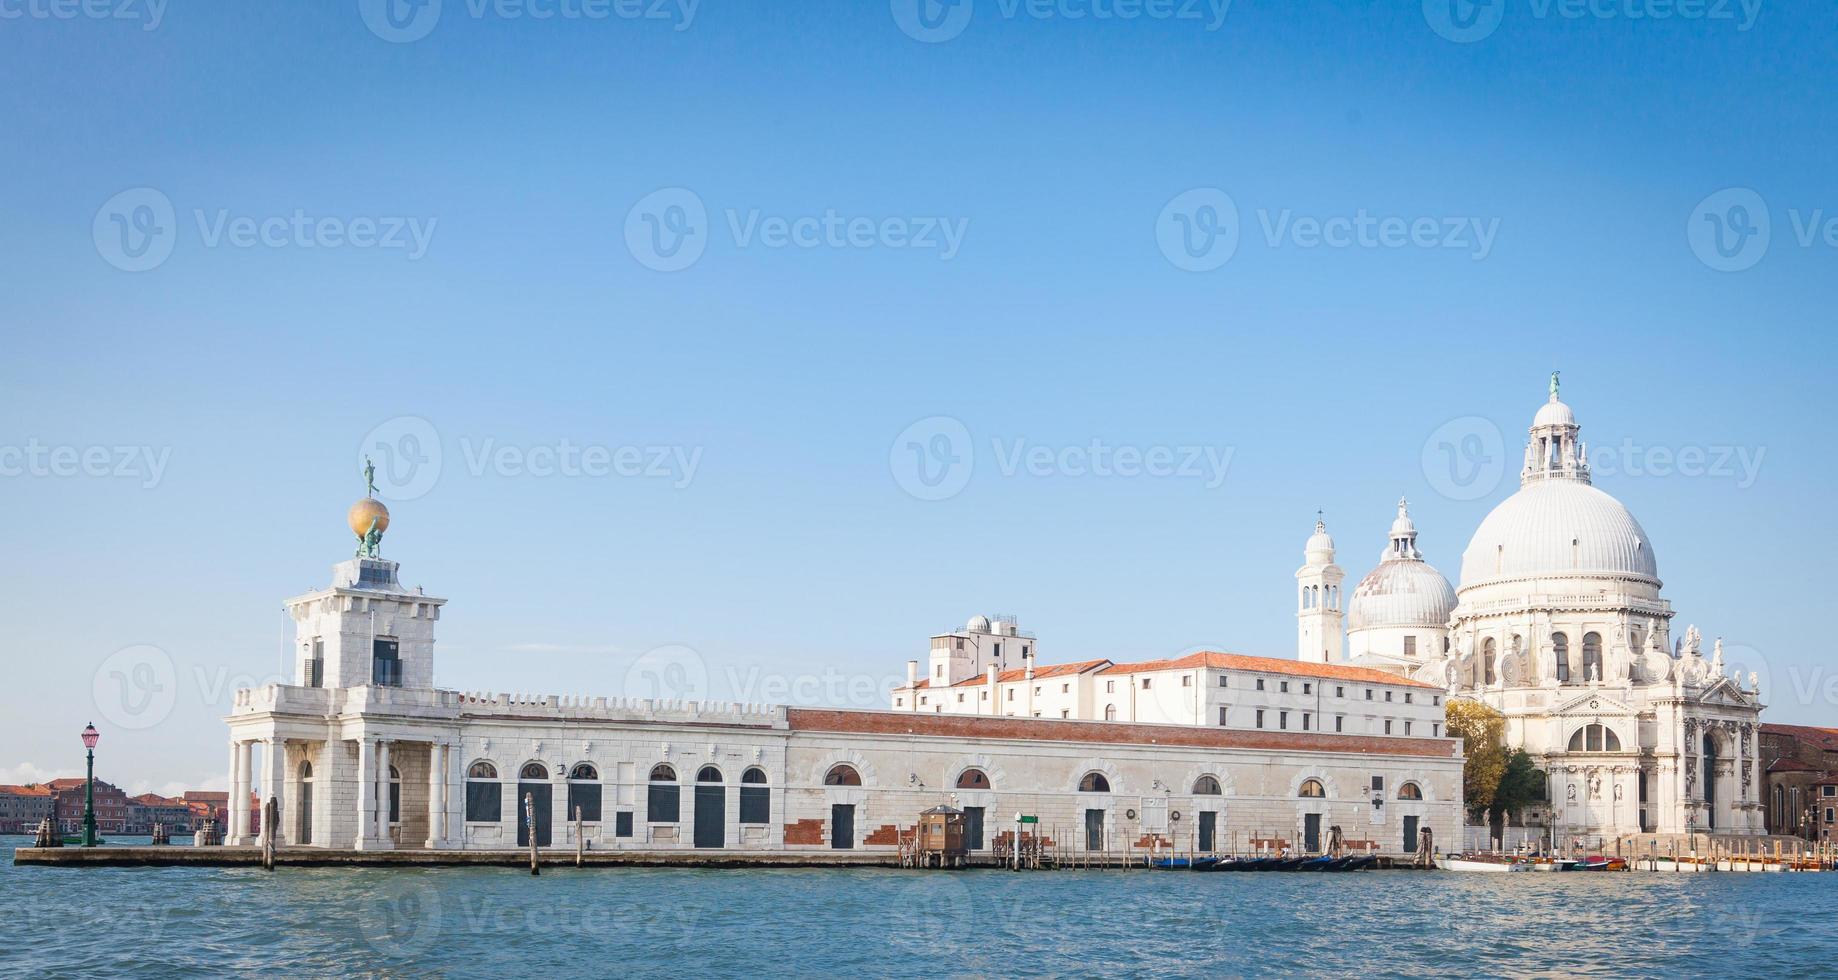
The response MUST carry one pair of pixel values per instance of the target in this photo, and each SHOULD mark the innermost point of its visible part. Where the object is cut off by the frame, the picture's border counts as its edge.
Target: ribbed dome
(1553, 412)
(1401, 593)
(1320, 546)
(1554, 528)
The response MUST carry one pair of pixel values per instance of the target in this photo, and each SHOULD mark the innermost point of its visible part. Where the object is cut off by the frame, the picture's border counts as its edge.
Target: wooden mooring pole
(529, 821)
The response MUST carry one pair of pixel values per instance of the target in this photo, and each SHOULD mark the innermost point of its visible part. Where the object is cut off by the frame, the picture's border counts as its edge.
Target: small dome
(1319, 543)
(360, 515)
(1401, 593)
(1553, 412)
(977, 624)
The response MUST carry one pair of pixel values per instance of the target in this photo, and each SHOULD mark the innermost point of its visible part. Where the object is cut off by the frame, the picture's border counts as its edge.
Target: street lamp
(90, 738)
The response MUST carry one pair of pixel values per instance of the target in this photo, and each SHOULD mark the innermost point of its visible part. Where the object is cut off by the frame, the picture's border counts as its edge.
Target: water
(500, 922)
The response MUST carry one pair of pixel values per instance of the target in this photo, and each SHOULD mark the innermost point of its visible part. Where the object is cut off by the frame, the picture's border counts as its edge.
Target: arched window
(395, 795)
(973, 779)
(1312, 789)
(484, 794)
(1592, 656)
(1487, 650)
(534, 772)
(1594, 738)
(1560, 647)
(755, 797)
(842, 774)
(1094, 782)
(584, 792)
(663, 798)
(1206, 786)
(708, 774)
(1110, 712)
(1410, 791)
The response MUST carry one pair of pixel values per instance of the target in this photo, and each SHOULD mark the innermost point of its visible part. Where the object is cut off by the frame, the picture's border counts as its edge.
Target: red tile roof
(1827, 738)
(921, 723)
(1207, 659)
(1269, 665)
(1052, 670)
(25, 791)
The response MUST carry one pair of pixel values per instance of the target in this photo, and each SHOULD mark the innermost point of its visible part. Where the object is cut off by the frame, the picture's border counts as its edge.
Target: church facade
(1559, 623)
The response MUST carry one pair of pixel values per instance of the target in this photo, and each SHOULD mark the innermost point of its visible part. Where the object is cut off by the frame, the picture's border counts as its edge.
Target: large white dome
(1401, 593)
(1558, 528)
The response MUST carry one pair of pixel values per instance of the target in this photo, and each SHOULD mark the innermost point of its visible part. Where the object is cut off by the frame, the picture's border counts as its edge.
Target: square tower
(366, 630)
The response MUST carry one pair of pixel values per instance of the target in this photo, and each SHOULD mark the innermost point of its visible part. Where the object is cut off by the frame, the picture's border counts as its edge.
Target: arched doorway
(533, 785)
(1206, 828)
(1311, 822)
(711, 808)
(975, 780)
(305, 820)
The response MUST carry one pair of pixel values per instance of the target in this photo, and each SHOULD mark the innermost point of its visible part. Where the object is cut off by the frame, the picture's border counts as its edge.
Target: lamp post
(90, 738)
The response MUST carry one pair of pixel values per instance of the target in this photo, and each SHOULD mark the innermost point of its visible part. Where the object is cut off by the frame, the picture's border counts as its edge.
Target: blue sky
(245, 243)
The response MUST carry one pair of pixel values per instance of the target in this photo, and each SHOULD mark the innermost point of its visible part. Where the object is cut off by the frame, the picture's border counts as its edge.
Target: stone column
(383, 784)
(274, 779)
(366, 795)
(239, 804)
(229, 826)
(437, 789)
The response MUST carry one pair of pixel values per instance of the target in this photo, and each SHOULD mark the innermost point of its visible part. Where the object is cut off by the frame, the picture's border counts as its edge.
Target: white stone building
(363, 751)
(1560, 624)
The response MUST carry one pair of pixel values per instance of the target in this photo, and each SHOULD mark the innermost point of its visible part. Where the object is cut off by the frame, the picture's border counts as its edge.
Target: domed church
(1559, 623)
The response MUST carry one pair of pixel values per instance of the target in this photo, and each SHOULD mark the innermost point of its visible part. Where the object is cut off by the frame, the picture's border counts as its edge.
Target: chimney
(912, 674)
(994, 707)
(1027, 664)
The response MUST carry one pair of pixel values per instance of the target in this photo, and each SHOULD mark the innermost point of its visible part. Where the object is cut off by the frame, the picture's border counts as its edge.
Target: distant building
(23, 808)
(207, 805)
(111, 806)
(1802, 772)
(148, 809)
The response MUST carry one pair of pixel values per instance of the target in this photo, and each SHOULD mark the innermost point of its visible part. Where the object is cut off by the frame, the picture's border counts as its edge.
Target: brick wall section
(889, 835)
(804, 832)
(1056, 730)
(1147, 841)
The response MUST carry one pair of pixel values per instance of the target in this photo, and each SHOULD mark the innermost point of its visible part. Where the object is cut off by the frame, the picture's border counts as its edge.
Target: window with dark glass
(386, 663)
(622, 823)
(663, 798)
(484, 794)
(584, 793)
(755, 797)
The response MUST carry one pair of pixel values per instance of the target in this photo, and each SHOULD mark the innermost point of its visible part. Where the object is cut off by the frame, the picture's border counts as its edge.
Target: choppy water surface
(500, 922)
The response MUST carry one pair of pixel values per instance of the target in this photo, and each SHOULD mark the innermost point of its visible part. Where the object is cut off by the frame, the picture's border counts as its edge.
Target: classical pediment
(1724, 693)
(1594, 703)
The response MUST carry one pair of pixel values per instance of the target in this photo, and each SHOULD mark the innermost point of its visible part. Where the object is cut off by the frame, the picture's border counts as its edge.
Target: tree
(1483, 734)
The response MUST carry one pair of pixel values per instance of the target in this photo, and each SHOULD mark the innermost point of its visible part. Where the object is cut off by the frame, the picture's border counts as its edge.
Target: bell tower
(1320, 617)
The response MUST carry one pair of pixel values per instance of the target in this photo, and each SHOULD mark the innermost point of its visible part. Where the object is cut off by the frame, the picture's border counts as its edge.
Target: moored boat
(1490, 863)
